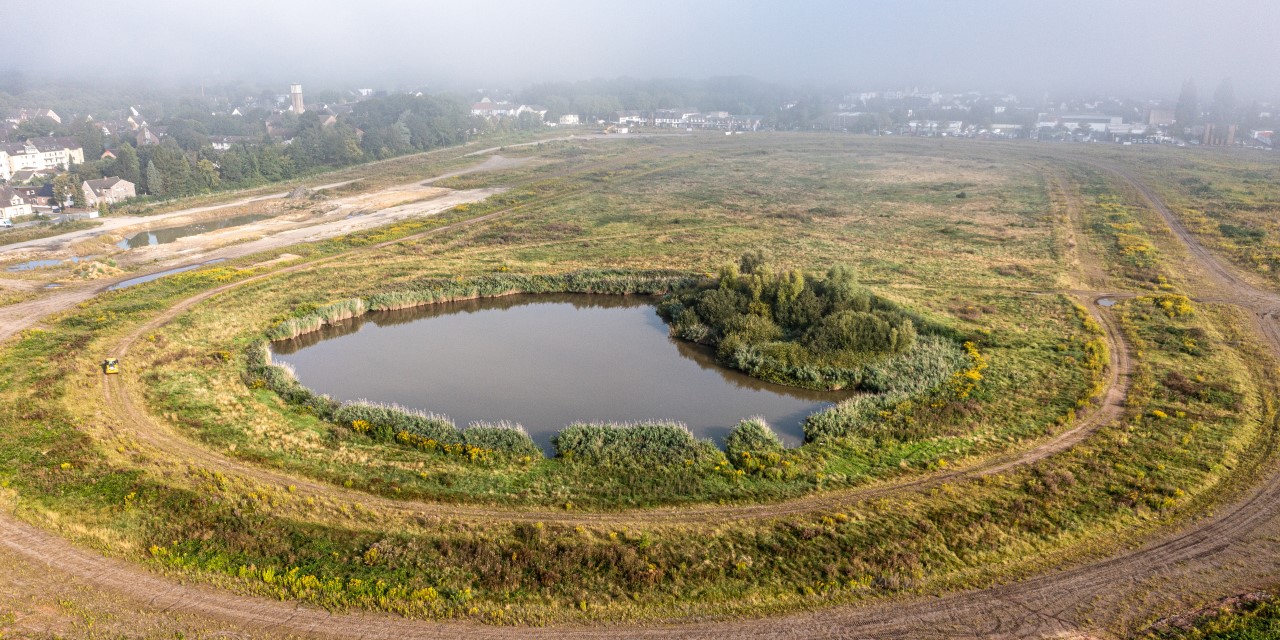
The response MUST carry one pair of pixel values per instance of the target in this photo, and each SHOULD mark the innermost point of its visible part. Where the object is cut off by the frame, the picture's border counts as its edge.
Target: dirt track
(1233, 550)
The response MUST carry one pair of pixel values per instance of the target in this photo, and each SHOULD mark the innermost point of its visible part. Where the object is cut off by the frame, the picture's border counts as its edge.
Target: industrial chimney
(295, 94)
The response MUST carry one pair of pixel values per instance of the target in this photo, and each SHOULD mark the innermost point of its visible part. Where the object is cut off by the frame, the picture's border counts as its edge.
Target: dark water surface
(543, 361)
(165, 236)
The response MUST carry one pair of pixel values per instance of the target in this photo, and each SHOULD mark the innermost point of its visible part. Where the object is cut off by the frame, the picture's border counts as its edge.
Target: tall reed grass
(649, 444)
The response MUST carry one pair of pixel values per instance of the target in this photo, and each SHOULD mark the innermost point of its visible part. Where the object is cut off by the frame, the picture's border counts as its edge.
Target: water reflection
(171, 234)
(543, 361)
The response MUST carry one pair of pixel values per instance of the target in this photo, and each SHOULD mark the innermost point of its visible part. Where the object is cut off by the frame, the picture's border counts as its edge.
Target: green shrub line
(928, 363)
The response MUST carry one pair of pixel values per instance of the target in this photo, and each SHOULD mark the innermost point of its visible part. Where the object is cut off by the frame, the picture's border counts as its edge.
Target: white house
(487, 108)
(11, 204)
(569, 119)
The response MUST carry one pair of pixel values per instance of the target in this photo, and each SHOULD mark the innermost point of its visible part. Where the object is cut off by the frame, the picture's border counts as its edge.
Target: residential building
(39, 154)
(148, 135)
(109, 190)
(1160, 117)
(630, 117)
(37, 197)
(22, 115)
(569, 119)
(222, 143)
(12, 204)
(487, 108)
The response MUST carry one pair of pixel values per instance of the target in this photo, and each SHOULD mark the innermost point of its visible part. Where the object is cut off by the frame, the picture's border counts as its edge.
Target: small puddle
(1106, 302)
(53, 285)
(160, 274)
(37, 264)
(543, 361)
(172, 234)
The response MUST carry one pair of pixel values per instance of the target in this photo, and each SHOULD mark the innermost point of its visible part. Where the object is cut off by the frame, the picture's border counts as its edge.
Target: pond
(39, 264)
(544, 361)
(172, 234)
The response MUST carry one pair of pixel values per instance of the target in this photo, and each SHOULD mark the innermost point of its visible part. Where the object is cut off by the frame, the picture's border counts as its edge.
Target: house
(630, 117)
(107, 154)
(147, 136)
(677, 117)
(22, 115)
(487, 108)
(536, 110)
(276, 129)
(12, 204)
(569, 119)
(41, 196)
(39, 154)
(109, 190)
(222, 143)
(1161, 117)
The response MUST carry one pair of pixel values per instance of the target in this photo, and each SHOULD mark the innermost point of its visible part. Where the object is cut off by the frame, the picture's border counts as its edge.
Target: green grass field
(987, 268)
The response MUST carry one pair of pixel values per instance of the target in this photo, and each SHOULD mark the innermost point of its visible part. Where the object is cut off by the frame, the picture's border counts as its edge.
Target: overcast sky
(1121, 46)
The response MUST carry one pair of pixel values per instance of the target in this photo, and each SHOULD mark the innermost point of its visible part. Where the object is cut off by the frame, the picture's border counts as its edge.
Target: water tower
(295, 94)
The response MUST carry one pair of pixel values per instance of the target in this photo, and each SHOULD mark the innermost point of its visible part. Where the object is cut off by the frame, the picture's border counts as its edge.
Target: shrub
(791, 328)
(507, 437)
(386, 420)
(753, 437)
(649, 444)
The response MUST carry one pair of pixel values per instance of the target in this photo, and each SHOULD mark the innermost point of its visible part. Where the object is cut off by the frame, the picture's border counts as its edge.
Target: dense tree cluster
(186, 163)
(401, 124)
(788, 317)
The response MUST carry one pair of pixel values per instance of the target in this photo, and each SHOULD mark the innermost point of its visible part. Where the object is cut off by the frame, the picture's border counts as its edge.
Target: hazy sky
(1129, 46)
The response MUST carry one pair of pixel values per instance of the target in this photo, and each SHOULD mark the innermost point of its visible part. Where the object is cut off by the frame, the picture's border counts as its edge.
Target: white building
(569, 120)
(11, 204)
(109, 190)
(487, 108)
(38, 154)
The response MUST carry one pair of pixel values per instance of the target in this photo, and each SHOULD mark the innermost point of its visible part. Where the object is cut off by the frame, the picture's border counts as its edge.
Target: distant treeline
(186, 163)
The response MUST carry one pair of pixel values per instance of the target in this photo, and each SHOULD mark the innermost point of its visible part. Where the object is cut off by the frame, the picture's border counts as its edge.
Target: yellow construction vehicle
(111, 365)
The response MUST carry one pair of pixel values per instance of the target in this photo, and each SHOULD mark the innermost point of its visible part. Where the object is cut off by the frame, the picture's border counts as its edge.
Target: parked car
(5, 223)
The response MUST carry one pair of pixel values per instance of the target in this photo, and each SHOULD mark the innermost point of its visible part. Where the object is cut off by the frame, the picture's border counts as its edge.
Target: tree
(91, 140)
(78, 199)
(208, 173)
(64, 189)
(126, 164)
(1188, 110)
(155, 181)
(37, 127)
